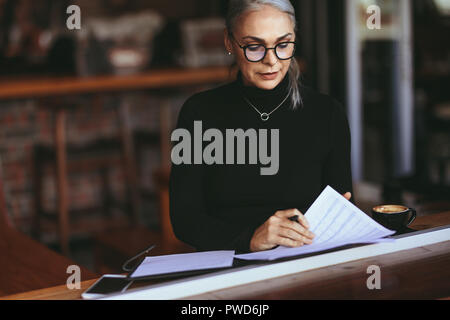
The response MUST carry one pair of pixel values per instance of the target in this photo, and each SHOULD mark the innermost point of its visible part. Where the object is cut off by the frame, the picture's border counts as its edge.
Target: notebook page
(184, 262)
(336, 222)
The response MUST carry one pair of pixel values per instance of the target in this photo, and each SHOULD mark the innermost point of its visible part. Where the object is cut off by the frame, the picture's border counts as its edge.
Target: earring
(229, 53)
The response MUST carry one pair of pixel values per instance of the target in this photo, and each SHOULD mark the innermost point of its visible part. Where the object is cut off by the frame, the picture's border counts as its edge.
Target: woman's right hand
(279, 230)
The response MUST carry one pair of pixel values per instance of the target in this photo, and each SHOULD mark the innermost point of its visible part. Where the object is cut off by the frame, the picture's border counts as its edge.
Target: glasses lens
(255, 52)
(285, 50)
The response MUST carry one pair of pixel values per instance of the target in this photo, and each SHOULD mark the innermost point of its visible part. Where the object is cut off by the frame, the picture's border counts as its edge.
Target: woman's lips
(269, 76)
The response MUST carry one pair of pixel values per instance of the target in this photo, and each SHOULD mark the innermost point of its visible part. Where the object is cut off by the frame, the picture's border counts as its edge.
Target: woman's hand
(279, 230)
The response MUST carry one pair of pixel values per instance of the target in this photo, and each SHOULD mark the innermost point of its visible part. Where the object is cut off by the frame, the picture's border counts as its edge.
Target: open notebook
(182, 264)
(336, 222)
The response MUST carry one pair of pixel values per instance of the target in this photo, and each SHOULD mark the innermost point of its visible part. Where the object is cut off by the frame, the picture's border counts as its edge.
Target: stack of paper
(183, 262)
(336, 222)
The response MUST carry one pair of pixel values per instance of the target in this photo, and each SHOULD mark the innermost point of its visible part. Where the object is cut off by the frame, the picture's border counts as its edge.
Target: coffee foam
(390, 208)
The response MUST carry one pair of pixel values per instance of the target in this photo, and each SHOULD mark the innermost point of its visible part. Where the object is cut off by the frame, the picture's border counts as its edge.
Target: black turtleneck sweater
(219, 206)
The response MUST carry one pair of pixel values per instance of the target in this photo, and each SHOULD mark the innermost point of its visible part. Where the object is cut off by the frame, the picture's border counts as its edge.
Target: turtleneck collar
(253, 92)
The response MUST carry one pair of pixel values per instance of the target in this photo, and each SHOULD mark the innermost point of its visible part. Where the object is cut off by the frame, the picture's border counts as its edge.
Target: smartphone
(108, 283)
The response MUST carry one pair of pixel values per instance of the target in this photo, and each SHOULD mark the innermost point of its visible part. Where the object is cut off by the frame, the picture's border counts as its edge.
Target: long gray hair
(237, 7)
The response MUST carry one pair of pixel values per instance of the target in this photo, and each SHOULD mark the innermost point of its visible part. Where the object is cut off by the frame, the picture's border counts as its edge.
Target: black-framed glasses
(257, 52)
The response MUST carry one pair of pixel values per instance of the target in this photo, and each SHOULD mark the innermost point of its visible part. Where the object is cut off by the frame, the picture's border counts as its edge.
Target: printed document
(336, 222)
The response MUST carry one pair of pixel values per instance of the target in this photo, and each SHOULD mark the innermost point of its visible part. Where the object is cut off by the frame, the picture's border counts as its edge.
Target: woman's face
(267, 26)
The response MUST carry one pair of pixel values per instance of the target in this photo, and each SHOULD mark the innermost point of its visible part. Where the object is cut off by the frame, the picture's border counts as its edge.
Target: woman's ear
(227, 41)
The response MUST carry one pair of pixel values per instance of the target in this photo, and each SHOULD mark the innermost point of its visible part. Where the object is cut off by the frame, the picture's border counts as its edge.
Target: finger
(289, 233)
(293, 212)
(301, 218)
(293, 235)
(297, 227)
(347, 195)
(288, 242)
(285, 213)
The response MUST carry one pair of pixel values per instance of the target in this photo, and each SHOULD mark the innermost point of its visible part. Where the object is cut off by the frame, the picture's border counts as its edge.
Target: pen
(295, 219)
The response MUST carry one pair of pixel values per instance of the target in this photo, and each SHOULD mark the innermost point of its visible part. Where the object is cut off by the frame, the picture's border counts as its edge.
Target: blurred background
(86, 114)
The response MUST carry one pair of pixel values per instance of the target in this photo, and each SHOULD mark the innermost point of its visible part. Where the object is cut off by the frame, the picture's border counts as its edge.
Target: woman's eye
(283, 45)
(255, 47)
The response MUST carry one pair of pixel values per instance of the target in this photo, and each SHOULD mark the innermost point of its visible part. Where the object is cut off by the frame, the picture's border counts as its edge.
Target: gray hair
(237, 7)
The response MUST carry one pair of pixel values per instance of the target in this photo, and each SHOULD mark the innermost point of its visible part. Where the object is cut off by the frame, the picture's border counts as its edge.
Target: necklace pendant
(264, 116)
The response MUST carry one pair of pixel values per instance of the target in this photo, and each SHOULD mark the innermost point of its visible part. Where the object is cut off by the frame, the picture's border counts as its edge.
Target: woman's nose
(270, 58)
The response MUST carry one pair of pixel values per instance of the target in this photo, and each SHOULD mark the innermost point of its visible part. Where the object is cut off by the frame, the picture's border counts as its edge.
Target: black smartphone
(107, 284)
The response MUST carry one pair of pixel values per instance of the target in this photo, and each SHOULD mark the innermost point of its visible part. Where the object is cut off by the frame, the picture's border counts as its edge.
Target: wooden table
(28, 265)
(420, 273)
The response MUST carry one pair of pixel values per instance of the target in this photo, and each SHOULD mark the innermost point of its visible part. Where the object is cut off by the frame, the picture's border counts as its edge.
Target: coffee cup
(393, 216)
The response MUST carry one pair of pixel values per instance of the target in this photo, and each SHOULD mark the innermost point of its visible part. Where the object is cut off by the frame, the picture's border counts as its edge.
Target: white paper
(184, 262)
(336, 222)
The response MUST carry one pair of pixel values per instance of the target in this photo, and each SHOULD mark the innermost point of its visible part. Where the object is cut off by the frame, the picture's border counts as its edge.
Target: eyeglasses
(128, 266)
(257, 52)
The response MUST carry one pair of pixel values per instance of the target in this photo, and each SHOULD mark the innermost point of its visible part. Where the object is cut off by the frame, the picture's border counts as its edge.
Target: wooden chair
(100, 156)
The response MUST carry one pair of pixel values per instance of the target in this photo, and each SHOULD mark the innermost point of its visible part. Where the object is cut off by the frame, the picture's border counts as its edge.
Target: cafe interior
(87, 107)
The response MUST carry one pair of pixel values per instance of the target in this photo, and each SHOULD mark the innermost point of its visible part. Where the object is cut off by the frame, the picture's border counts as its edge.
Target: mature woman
(233, 206)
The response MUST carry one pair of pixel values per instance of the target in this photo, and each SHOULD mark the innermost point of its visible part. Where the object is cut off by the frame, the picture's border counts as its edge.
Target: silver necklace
(265, 116)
